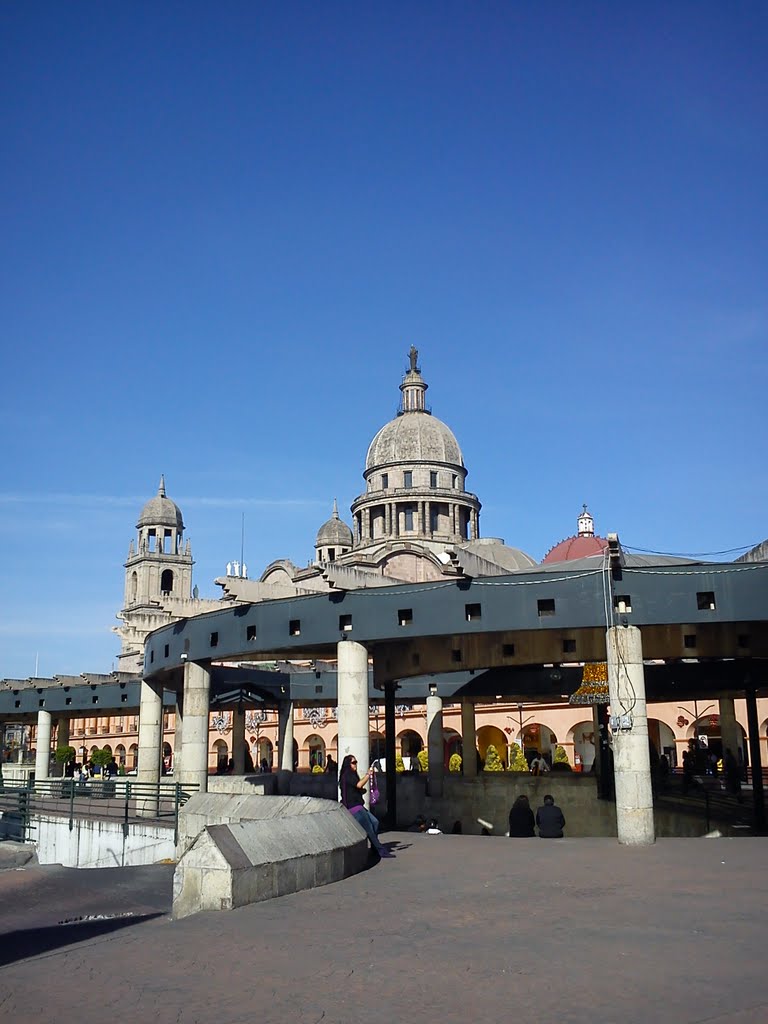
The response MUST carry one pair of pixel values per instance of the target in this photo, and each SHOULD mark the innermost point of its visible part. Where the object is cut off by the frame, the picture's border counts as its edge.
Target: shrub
(560, 762)
(316, 769)
(517, 761)
(423, 758)
(454, 763)
(492, 760)
(65, 754)
(399, 763)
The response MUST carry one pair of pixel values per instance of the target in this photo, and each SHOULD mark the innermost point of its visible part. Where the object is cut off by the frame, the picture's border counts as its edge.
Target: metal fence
(118, 799)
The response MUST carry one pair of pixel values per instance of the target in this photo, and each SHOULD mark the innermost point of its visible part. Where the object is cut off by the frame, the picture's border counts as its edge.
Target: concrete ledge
(278, 845)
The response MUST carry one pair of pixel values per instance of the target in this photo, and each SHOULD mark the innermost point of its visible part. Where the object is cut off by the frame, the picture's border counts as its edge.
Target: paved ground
(453, 929)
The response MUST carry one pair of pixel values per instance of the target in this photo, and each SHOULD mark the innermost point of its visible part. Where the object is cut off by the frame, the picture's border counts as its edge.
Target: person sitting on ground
(550, 819)
(457, 830)
(419, 824)
(352, 789)
(539, 764)
(433, 828)
(521, 819)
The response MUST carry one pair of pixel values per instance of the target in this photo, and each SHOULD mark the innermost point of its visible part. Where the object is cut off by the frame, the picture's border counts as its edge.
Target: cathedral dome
(335, 533)
(582, 545)
(413, 437)
(161, 511)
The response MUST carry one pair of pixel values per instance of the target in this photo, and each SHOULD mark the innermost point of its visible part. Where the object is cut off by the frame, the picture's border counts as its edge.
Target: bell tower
(158, 576)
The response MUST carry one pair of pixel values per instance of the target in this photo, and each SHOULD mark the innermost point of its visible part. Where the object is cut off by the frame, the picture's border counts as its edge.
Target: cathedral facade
(414, 521)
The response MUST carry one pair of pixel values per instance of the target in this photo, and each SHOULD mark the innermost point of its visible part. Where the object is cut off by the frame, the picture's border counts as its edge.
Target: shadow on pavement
(20, 945)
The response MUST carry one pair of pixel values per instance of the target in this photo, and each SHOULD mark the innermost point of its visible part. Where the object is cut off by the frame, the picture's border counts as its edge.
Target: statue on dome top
(413, 355)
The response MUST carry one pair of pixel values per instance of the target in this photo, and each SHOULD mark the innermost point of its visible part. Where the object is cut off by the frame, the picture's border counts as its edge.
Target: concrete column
(387, 519)
(238, 740)
(755, 762)
(435, 746)
(150, 746)
(421, 522)
(62, 732)
(632, 763)
(428, 518)
(43, 755)
(285, 736)
(730, 733)
(197, 709)
(390, 748)
(468, 746)
(178, 735)
(395, 520)
(352, 674)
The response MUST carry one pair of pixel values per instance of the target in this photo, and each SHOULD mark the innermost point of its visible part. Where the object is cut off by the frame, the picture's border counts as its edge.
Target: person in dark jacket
(521, 819)
(550, 819)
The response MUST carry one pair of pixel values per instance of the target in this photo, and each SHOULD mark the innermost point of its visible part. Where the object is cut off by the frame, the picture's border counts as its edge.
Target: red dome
(575, 547)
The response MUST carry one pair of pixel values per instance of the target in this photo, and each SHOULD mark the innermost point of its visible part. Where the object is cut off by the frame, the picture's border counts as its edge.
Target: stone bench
(260, 847)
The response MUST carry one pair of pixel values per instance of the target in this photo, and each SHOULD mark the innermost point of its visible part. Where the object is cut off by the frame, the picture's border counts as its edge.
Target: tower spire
(161, 488)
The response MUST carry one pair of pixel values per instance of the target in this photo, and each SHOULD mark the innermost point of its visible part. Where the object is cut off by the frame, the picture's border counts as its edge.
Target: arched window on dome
(134, 586)
(166, 582)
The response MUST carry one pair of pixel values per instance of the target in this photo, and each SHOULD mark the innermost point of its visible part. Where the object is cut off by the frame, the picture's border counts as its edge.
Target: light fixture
(433, 689)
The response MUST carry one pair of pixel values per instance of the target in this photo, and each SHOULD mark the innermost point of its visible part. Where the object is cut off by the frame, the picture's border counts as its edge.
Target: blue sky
(224, 224)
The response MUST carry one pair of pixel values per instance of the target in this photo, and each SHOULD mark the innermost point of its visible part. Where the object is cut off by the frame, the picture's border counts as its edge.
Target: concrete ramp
(272, 846)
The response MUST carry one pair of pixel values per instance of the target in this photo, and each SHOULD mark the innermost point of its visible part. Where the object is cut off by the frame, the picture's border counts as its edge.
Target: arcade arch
(488, 735)
(377, 746)
(316, 751)
(220, 755)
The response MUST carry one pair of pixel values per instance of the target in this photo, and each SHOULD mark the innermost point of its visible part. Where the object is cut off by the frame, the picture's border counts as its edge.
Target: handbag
(375, 795)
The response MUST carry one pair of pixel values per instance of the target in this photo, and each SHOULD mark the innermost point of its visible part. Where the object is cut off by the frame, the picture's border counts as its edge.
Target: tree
(492, 760)
(423, 758)
(517, 761)
(101, 757)
(65, 754)
(454, 763)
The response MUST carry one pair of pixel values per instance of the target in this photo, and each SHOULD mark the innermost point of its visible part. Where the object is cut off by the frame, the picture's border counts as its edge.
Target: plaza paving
(453, 928)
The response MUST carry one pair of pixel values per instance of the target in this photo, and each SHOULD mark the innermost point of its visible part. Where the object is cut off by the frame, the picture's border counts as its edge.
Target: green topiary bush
(399, 763)
(517, 762)
(560, 762)
(454, 763)
(423, 758)
(65, 754)
(492, 760)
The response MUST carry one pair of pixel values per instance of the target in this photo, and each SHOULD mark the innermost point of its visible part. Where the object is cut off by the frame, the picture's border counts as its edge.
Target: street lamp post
(522, 723)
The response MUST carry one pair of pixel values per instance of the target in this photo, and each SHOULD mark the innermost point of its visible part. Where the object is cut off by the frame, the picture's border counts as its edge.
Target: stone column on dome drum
(197, 710)
(631, 759)
(43, 749)
(387, 519)
(352, 676)
(285, 736)
(468, 744)
(150, 747)
(730, 733)
(238, 739)
(428, 518)
(435, 745)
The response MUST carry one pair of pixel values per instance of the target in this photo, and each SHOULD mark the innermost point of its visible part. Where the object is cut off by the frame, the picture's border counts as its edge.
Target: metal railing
(117, 799)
